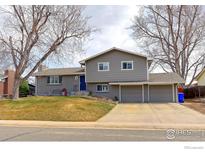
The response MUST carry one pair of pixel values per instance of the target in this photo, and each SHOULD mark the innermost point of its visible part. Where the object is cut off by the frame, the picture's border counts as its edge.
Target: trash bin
(181, 97)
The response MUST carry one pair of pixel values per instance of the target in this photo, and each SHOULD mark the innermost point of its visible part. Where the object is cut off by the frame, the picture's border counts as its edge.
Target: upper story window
(126, 65)
(54, 79)
(103, 66)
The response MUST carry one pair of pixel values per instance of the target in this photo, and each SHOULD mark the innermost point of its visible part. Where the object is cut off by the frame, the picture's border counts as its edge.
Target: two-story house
(116, 74)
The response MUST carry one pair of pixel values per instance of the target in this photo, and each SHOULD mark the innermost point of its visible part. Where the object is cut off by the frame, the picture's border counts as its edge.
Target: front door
(82, 83)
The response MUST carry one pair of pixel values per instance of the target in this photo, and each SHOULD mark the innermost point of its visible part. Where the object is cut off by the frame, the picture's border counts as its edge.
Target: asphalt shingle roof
(165, 77)
(60, 71)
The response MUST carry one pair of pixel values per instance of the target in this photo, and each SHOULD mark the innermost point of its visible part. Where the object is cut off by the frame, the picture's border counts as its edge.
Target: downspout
(120, 98)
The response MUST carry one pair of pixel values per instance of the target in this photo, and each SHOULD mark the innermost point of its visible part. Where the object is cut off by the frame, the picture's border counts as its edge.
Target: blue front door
(82, 83)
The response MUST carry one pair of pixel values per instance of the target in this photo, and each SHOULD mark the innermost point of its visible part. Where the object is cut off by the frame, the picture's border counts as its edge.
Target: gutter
(141, 83)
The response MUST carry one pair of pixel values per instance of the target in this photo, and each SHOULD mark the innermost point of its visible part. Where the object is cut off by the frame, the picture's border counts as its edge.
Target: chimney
(1, 85)
(41, 68)
(9, 82)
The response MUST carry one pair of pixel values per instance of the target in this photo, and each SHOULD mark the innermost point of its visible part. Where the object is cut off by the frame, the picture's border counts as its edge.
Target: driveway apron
(151, 113)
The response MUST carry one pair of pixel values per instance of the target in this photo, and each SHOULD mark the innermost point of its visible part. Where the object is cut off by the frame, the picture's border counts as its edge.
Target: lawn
(54, 108)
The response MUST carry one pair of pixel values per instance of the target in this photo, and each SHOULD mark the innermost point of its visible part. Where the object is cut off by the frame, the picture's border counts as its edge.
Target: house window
(54, 79)
(103, 66)
(102, 88)
(126, 65)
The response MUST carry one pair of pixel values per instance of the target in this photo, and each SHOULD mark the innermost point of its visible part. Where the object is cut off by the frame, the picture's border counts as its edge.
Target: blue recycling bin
(181, 97)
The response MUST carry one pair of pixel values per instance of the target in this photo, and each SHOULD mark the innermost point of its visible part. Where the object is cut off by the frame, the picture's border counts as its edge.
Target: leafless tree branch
(175, 36)
(33, 33)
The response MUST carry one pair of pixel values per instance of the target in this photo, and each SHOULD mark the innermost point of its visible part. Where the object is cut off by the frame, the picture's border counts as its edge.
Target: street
(8, 133)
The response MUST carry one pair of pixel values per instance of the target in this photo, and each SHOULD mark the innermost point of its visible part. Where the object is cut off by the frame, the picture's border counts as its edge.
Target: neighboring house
(1, 85)
(199, 89)
(200, 78)
(6, 83)
(31, 89)
(116, 74)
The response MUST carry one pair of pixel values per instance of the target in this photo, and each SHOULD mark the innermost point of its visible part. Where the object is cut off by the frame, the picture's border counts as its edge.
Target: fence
(194, 92)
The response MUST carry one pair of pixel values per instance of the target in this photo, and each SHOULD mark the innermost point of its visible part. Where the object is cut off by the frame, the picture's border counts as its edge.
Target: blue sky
(113, 23)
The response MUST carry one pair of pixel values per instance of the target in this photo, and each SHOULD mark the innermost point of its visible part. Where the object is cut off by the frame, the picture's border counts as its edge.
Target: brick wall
(6, 87)
(9, 82)
(1, 88)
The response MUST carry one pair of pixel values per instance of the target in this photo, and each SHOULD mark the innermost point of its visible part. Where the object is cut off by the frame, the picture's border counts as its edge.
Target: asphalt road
(8, 133)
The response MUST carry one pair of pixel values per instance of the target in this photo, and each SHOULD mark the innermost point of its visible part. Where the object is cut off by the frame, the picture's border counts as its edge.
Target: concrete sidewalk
(99, 125)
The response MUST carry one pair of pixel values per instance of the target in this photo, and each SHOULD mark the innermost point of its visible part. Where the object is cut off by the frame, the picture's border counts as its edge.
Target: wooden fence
(194, 92)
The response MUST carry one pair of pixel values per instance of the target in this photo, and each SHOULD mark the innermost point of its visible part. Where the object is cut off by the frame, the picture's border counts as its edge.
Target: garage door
(131, 94)
(160, 93)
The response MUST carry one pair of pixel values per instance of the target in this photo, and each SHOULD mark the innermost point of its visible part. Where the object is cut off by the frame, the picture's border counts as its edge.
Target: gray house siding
(160, 93)
(113, 91)
(69, 82)
(131, 94)
(139, 72)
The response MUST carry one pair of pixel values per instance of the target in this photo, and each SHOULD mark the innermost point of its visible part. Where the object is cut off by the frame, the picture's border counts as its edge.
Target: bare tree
(174, 36)
(31, 34)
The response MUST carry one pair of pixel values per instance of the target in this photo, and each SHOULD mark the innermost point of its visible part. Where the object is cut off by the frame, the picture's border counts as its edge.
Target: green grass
(54, 109)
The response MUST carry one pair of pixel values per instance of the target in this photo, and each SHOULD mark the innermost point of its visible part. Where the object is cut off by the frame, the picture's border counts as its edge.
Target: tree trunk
(17, 82)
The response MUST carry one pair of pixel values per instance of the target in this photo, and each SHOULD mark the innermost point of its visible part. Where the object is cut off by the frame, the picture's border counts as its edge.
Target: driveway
(156, 113)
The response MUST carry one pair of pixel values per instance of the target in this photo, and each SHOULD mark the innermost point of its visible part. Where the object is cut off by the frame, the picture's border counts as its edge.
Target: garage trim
(173, 95)
(120, 94)
(143, 93)
(148, 93)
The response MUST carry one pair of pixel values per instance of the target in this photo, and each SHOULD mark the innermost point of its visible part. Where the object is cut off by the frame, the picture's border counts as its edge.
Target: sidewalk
(99, 125)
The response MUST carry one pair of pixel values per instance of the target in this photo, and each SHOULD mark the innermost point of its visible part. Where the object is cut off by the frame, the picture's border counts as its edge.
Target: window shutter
(48, 79)
(60, 79)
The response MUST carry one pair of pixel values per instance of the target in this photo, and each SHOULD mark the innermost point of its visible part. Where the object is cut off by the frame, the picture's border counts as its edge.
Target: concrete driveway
(153, 113)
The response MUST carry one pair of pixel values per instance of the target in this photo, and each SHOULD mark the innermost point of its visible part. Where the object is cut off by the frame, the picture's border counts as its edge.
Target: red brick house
(6, 83)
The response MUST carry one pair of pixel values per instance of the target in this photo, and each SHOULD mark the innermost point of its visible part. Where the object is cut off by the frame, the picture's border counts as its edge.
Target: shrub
(90, 93)
(116, 98)
(24, 89)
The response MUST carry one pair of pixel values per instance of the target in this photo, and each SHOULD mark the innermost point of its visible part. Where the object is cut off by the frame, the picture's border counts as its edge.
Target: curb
(100, 125)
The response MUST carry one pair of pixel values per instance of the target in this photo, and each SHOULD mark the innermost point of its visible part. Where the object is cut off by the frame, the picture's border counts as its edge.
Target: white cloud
(113, 22)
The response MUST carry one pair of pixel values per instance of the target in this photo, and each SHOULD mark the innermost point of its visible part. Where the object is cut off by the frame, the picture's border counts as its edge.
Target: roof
(2, 77)
(166, 77)
(61, 71)
(114, 48)
(31, 85)
(200, 74)
(156, 78)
